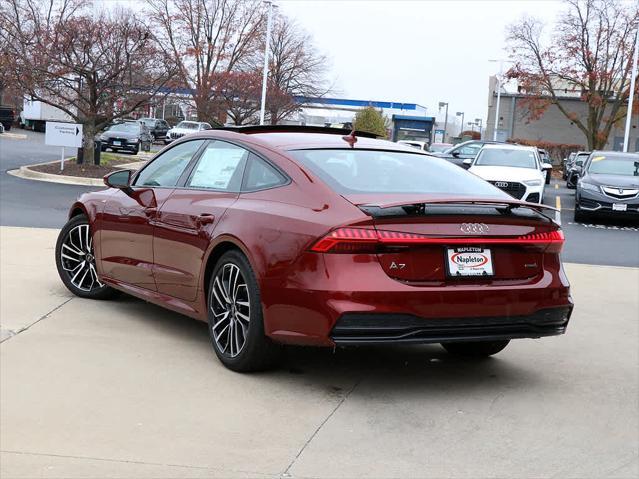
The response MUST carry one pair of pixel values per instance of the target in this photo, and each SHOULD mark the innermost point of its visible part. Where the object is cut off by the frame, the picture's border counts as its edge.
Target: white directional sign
(63, 134)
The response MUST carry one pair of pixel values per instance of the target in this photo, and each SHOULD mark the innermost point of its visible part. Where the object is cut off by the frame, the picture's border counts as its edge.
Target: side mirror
(120, 179)
(467, 163)
(546, 166)
(455, 154)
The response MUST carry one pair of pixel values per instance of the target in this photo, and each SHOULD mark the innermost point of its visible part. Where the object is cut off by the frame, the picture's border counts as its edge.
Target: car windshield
(372, 171)
(148, 121)
(506, 157)
(624, 165)
(188, 125)
(126, 127)
(439, 148)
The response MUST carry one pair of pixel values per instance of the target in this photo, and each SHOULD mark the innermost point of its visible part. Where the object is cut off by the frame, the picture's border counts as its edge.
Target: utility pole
(480, 123)
(461, 113)
(501, 72)
(443, 104)
(270, 6)
(631, 98)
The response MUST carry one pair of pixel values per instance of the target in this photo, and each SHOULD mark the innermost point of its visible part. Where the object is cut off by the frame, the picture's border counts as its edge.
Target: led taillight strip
(365, 236)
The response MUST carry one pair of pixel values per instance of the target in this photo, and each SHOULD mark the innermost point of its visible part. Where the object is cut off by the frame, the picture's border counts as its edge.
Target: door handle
(205, 219)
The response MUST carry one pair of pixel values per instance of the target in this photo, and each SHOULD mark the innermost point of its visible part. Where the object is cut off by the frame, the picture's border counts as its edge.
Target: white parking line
(606, 227)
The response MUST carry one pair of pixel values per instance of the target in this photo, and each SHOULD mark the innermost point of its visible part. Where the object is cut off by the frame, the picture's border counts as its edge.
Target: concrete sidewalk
(125, 389)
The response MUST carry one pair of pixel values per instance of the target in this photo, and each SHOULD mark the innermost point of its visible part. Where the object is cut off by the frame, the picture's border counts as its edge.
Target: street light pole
(501, 70)
(266, 51)
(480, 123)
(461, 113)
(441, 105)
(631, 98)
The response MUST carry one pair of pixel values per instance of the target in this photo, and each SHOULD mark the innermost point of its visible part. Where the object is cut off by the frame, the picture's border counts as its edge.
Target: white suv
(517, 170)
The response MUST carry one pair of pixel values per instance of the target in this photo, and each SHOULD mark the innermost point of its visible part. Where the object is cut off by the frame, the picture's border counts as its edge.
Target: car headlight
(134, 140)
(588, 186)
(532, 182)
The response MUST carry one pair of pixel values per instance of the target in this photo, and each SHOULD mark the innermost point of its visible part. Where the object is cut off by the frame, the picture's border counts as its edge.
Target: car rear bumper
(312, 309)
(366, 328)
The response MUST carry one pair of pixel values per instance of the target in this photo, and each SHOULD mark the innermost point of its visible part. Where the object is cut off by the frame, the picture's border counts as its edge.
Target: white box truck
(35, 115)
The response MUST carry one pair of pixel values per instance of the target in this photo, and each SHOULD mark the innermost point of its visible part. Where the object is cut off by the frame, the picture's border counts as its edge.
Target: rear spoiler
(507, 204)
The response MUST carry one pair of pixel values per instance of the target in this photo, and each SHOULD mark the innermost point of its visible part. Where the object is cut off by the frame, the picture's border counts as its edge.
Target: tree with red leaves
(207, 40)
(589, 52)
(238, 94)
(96, 67)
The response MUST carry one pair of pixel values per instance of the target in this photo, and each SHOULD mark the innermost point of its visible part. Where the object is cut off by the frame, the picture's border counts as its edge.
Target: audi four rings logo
(501, 184)
(474, 228)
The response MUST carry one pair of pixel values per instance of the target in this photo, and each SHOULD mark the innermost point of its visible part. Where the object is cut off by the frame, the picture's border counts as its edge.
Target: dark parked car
(466, 150)
(158, 127)
(301, 235)
(608, 184)
(131, 136)
(7, 116)
(574, 168)
(566, 164)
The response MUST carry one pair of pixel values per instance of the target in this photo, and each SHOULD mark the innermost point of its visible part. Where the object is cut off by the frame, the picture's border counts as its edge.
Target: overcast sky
(420, 51)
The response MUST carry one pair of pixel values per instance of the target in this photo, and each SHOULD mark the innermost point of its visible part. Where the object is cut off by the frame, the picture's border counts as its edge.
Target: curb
(13, 136)
(26, 173)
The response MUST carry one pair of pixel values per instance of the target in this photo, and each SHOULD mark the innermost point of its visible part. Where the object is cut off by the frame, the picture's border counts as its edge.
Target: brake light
(366, 240)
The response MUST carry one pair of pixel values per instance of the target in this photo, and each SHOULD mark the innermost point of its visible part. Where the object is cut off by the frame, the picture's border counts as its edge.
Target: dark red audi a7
(316, 237)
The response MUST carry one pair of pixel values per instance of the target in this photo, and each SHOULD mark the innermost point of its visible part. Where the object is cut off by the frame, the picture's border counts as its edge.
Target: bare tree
(206, 38)
(590, 51)
(94, 67)
(296, 70)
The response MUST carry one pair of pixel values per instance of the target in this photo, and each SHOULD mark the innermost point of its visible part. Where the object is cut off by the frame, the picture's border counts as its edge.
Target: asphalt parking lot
(125, 389)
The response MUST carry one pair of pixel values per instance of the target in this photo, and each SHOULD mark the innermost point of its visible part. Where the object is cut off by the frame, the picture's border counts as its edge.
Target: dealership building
(409, 121)
(552, 126)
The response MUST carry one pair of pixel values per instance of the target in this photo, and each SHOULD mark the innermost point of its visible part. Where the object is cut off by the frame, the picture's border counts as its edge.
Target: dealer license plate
(619, 207)
(469, 261)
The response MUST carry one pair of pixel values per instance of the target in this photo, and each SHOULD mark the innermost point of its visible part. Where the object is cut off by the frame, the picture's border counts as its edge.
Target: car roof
(508, 146)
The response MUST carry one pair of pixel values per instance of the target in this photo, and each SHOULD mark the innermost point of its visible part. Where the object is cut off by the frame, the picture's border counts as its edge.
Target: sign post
(64, 135)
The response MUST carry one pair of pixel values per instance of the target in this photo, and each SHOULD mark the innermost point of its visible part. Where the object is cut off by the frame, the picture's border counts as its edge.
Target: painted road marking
(556, 186)
(606, 227)
(558, 203)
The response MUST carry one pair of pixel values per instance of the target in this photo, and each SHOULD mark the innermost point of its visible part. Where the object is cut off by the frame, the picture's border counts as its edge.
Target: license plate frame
(462, 262)
(619, 207)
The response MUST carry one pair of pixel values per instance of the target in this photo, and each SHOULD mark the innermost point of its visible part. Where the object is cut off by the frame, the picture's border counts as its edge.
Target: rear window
(374, 171)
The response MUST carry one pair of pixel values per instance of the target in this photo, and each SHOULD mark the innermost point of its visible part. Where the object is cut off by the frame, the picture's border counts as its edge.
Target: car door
(187, 219)
(126, 227)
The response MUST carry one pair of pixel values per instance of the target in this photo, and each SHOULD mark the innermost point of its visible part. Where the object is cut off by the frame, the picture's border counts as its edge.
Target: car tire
(475, 349)
(233, 295)
(79, 274)
(7, 127)
(136, 150)
(548, 175)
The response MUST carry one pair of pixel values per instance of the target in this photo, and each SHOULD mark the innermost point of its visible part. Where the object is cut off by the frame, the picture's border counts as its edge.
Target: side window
(166, 169)
(261, 175)
(220, 167)
(470, 150)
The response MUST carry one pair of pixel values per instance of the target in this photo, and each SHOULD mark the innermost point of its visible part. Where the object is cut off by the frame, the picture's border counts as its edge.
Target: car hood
(120, 134)
(612, 180)
(182, 131)
(506, 173)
